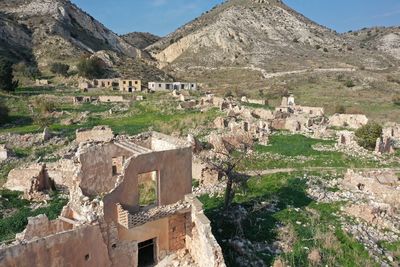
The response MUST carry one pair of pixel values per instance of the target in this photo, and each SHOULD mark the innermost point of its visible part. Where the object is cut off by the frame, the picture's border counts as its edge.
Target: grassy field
(157, 112)
(299, 221)
(296, 151)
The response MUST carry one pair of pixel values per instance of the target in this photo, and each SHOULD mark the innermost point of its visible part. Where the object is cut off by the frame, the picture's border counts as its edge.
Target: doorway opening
(147, 253)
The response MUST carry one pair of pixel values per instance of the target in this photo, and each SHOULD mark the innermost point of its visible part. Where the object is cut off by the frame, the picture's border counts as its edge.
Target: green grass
(253, 105)
(319, 228)
(295, 151)
(157, 112)
(16, 221)
(5, 168)
(392, 247)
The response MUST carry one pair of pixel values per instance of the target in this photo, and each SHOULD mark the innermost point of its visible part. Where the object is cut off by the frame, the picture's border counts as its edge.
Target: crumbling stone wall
(383, 185)
(40, 226)
(177, 232)
(99, 134)
(61, 173)
(385, 145)
(200, 241)
(83, 246)
(110, 98)
(31, 178)
(96, 172)
(353, 121)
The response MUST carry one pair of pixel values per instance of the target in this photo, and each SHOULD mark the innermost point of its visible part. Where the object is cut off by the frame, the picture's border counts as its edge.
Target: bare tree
(226, 164)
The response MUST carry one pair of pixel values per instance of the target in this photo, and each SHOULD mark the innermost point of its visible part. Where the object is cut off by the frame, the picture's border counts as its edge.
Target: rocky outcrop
(140, 40)
(43, 31)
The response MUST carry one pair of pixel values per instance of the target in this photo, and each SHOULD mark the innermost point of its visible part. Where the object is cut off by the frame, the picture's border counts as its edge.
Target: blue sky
(164, 16)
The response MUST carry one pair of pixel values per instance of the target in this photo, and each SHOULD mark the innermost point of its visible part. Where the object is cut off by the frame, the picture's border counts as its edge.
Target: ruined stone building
(159, 86)
(123, 85)
(130, 205)
(130, 85)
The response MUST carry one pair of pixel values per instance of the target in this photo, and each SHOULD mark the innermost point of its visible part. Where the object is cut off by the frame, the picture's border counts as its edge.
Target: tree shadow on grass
(260, 224)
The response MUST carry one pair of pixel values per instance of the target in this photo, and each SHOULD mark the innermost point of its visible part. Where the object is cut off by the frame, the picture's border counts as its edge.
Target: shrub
(43, 105)
(30, 71)
(317, 47)
(239, 93)
(340, 109)
(396, 100)
(59, 68)
(326, 50)
(228, 93)
(295, 40)
(7, 82)
(3, 113)
(42, 108)
(349, 84)
(285, 93)
(368, 134)
(91, 68)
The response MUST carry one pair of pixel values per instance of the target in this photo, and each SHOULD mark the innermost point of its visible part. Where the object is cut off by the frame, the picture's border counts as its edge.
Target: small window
(136, 82)
(117, 165)
(147, 184)
(87, 257)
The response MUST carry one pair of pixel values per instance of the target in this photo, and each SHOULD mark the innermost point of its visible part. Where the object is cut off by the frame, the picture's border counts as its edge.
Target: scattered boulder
(46, 134)
(314, 257)
(4, 154)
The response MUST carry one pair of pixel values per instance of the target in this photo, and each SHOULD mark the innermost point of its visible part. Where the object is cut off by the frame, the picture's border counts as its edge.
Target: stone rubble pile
(377, 218)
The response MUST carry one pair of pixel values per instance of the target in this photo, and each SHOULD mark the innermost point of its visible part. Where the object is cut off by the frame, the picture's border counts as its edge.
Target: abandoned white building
(123, 85)
(158, 86)
(130, 205)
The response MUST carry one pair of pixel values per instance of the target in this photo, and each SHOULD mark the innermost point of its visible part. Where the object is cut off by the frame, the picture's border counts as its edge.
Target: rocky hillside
(386, 40)
(41, 32)
(243, 41)
(140, 40)
(15, 39)
(57, 29)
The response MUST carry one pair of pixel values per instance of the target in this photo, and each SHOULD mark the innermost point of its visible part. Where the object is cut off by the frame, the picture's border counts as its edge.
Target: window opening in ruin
(87, 257)
(147, 253)
(147, 184)
(117, 165)
(130, 90)
(130, 83)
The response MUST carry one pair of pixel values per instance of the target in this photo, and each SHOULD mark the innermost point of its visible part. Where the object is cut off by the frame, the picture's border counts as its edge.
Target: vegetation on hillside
(59, 68)
(91, 68)
(368, 134)
(7, 82)
(3, 112)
